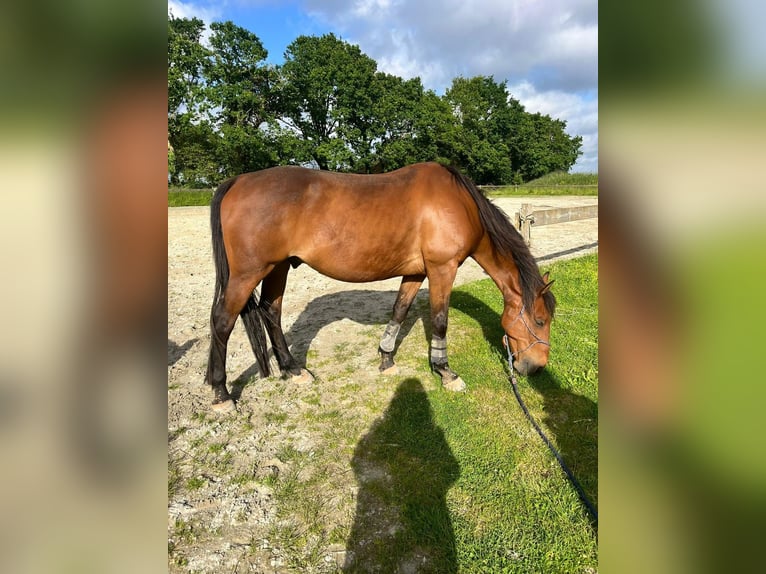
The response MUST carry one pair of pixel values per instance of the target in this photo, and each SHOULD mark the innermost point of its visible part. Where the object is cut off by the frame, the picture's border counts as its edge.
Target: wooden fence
(528, 216)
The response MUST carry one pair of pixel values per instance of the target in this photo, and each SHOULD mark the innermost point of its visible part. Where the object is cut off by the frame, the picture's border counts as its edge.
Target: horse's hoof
(224, 407)
(392, 370)
(456, 385)
(302, 379)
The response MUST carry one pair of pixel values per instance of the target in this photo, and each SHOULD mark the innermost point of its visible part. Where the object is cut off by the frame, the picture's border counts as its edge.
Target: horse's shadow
(176, 351)
(365, 307)
(570, 420)
(372, 308)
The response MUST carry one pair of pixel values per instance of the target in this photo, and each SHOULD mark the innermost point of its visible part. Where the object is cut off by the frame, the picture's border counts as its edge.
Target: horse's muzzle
(526, 367)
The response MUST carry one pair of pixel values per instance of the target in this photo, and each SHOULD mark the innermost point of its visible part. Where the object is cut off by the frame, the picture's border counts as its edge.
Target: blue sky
(546, 50)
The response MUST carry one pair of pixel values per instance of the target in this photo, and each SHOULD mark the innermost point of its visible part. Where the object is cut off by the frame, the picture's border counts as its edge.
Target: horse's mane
(508, 243)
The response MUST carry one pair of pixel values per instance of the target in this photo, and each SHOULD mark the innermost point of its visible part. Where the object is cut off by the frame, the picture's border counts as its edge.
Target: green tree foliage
(541, 146)
(412, 125)
(480, 106)
(195, 147)
(189, 142)
(327, 97)
(238, 82)
(497, 141)
(230, 112)
(241, 98)
(186, 58)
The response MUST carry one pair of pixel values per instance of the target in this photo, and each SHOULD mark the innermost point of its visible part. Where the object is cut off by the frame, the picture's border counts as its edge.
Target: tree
(383, 138)
(326, 97)
(195, 147)
(186, 95)
(497, 141)
(484, 118)
(186, 58)
(238, 80)
(541, 146)
(241, 99)
(435, 129)
(229, 112)
(422, 129)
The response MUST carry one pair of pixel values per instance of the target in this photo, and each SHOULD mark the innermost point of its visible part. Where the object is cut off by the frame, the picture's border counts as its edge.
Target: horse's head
(528, 330)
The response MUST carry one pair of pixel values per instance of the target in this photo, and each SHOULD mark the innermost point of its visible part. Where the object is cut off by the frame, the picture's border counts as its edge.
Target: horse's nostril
(526, 367)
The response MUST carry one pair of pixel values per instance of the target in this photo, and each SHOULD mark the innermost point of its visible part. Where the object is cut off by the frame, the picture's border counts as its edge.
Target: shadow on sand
(361, 306)
(176, 351)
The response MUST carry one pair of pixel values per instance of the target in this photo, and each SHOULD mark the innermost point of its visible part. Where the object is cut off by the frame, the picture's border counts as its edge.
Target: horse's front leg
(439, 290)
(407, 292)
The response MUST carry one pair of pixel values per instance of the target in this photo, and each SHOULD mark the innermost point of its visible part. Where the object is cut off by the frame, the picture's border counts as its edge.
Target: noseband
(537, 340)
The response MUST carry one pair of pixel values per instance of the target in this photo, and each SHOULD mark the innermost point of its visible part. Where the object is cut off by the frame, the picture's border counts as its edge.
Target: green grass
(556, 183)
(178, 196)
(512, 508)
(462, 482)
(195, 483)
(564, 178)
(474, 486)
(526, 190)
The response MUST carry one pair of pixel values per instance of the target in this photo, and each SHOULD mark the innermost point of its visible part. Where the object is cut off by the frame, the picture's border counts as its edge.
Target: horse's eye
(539, 322)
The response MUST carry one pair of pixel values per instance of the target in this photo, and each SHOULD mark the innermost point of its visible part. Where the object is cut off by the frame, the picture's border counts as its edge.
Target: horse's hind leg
(222, 318)
(407, 292)
(272, 292)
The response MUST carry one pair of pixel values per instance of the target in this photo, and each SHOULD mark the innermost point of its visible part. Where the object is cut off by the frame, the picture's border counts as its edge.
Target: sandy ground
(320, 316)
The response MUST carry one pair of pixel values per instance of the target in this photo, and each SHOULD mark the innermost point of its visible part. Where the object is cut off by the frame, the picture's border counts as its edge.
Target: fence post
(525, 217)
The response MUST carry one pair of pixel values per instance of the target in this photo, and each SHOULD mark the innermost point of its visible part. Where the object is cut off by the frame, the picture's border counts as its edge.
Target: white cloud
(365, 8)
(552, 43)
(205, 12)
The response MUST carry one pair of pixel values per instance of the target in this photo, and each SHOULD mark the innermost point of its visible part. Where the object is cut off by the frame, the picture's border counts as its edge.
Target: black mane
(508, 243)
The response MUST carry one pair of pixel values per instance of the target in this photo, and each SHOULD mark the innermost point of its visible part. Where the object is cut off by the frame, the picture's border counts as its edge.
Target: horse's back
(348, 226)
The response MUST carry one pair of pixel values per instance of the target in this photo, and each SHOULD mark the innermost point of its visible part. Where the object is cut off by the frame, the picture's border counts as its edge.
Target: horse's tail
(252, 315)
(219, 250)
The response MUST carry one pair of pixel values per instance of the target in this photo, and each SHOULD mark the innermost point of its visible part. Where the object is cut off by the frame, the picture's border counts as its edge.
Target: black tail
(252, 315)
(219, 250)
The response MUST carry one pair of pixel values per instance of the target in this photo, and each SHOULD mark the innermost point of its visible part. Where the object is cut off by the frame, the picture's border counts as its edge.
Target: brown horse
(420, 221)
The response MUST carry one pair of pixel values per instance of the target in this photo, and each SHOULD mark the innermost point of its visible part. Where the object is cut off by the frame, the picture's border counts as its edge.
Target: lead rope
(559, 458)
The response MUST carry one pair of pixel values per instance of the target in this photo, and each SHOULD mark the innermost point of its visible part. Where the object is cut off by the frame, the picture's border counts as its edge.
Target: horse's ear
(546, 275)
(547, 286)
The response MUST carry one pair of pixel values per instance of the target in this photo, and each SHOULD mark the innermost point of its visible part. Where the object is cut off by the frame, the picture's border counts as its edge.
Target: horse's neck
(502, 270)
